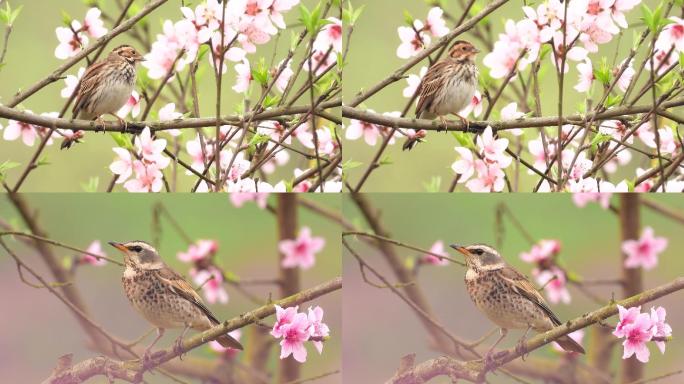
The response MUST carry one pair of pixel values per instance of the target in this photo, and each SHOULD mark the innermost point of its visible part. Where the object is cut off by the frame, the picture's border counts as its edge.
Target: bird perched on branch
(507, 297)
(448, 86)
(163, 297)
(106, 86)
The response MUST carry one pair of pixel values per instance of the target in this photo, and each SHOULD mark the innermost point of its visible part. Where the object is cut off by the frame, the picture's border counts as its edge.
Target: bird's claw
(178, 348)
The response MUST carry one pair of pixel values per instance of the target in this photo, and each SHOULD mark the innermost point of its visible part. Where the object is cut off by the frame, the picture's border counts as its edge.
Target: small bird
(448, 86)
(106, 86)
(162, 296)
(506, 296)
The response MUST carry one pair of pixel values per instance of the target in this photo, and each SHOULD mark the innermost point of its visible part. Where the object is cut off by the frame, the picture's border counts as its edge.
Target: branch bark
(533, 122)
(632, 369)
(475, 370)
(286, 212)
(155, 126)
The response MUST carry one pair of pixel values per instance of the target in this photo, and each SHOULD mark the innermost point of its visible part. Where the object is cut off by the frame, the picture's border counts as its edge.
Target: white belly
(456, 96)
(112, 98)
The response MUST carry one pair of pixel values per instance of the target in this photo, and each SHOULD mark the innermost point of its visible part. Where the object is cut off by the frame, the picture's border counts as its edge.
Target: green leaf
(122, 140)
(433, 185)
(350, 164)
(408, 18)
(42, 161)
(603, 73)
(258, 139)
(66, 18)
(6, 166)
(270, 101)
(598, 139)
(260, 72)
(91, 185)
(203, 50)
(385, 161)
(464, 139)
(14, 14)
(613, 100)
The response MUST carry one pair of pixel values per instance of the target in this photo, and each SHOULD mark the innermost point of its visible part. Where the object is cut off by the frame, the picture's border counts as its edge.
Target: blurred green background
(30, 57)
(372, 57)
(375, 340)
(35, 328)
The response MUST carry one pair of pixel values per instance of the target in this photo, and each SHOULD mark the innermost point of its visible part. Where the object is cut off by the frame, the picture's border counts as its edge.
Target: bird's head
(480, 256)
(127, 53)
(462, 50)
(139, 253)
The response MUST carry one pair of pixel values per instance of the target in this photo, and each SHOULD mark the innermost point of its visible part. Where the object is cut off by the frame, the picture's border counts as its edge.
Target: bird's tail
(569, 344)
(410, 143)
(228, 341)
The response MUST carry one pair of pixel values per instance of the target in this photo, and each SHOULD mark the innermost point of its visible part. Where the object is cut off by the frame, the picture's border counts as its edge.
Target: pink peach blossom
(437, 248)
(211, 281)
(643, 252)
(301, 252)
(317, 328)
(95, 248)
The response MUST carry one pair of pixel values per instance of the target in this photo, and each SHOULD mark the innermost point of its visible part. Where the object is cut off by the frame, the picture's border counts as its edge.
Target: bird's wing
(177, 284)
(522, 285)
(431, 82)
(86, 86)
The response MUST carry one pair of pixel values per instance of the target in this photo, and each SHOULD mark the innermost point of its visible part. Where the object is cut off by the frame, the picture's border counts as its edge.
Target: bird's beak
(461, 249)
(475, 50)
(118, 246)
(140, 58)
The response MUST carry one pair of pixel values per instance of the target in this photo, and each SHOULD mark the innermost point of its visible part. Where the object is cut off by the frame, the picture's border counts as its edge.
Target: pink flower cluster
(246, 22)
(75, 36)
(643, 252)
(147, 163)
(301, 252)
(202, 249)
(96, 249)
(204, 273)
(326, 47)
(669, 46)
(438, 249)
(547, 273)
(29, 132)
(418, 36)
(589, 22)
(369, 131)
(489, 165)
(295, 328)
(639, 328)
(211, 280)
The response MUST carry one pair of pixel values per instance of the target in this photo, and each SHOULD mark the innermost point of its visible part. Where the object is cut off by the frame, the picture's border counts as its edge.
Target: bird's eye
(477, 251)
(136, 248)
(463, 48)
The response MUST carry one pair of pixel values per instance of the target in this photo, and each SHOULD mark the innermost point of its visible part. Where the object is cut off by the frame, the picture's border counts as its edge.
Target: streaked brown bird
(106, 86)
(506, 296)
(162, 296)
(448, 86)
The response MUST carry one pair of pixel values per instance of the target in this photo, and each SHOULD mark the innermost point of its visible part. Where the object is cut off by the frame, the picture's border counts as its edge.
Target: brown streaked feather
(177, 284)
(87, 84)
(522, 285)
(431, 83)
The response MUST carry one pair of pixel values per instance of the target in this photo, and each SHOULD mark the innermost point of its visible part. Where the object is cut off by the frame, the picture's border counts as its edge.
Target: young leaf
(91, 185)
(433, 185)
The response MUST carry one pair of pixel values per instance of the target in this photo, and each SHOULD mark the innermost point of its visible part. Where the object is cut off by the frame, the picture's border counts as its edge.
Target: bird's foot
(465, 122)
(178, 347)
(490, 359)
(444, 124)
(101, 124)
(521, 349)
